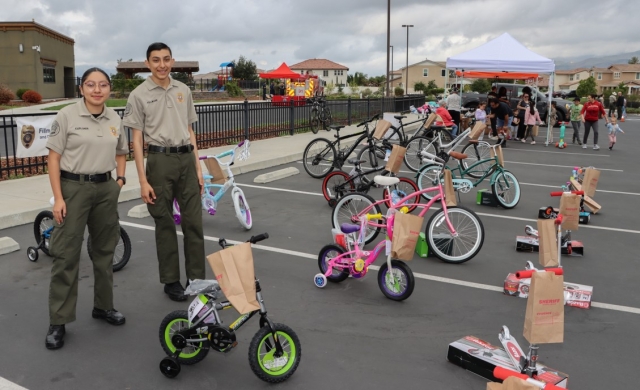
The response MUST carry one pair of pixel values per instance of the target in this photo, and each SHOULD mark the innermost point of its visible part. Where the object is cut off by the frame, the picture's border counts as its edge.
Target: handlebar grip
(374, 216)
(527, 273)
(503, 373)
(258, 238)
(559, 193)
(558, 220)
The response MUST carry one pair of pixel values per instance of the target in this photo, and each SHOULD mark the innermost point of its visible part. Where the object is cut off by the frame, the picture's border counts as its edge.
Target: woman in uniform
(85, 145)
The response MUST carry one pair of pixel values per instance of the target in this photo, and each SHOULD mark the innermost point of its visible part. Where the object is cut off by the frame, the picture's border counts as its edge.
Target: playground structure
(298, 87)
(226, 74)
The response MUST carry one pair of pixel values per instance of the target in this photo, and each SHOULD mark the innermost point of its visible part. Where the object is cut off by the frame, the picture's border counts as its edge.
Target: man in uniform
(162, 109)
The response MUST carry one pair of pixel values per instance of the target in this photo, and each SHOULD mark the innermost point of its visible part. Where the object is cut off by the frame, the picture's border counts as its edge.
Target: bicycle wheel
(412, 158)
(122, 252)
(475, 153)
(327, 253)
(336, 185)
(398, 283)
(43, 222)
(264, 360)
(428, 176)
(314, 121)
(348, 210)
(318, 158)
(403, 188)
(242, 209)
(465, 245)
(506, 189)
(372, 157)
(173, 323)
(326, 118)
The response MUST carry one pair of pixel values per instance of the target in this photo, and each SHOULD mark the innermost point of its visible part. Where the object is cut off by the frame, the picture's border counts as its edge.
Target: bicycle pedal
(230, 347)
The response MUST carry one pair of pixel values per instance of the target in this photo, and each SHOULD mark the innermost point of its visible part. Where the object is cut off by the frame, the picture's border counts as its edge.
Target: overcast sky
(350, 32)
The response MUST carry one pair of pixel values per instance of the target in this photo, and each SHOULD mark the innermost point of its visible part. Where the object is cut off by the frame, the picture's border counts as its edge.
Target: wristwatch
(124, 180)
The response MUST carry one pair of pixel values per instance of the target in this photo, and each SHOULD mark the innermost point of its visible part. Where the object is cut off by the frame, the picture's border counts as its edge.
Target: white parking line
(8, 385)
(609, 192)
(281, 189)
(560, 166)
(578, 154)
(435, 278)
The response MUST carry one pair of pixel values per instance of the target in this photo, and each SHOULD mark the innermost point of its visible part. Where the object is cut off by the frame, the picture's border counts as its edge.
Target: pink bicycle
(454, 234)
(347, 257)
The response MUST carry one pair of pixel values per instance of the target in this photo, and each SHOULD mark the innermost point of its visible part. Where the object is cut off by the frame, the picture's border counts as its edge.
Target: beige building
(568, 80)
(611, 77)
(328, 71)
(423, 71)
(35, 57)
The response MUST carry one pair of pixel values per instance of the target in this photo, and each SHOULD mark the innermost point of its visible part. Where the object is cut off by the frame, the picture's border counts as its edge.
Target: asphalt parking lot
(351, 335)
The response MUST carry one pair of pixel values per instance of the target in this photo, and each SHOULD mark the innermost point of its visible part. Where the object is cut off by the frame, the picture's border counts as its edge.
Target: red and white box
(575, 295)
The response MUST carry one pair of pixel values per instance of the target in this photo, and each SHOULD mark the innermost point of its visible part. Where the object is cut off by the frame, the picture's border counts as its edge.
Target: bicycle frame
(493, 170)
(230, 181)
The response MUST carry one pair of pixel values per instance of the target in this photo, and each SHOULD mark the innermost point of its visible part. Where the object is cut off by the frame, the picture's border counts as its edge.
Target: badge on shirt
(114, 131)
(180, 97)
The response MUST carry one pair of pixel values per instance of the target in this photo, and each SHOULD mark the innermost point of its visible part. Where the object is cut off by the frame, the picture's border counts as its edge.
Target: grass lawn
(110, 103)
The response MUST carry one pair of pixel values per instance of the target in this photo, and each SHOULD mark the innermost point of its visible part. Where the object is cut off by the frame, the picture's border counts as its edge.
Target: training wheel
(320, 280)
(333, 203)
(170, 367)
(32, 253)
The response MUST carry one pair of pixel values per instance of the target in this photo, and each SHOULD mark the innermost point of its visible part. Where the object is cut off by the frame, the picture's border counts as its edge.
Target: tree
(245, 69)
(180, 76)
(481, 86)
(420, 87)
(634, 60)
(587, 87)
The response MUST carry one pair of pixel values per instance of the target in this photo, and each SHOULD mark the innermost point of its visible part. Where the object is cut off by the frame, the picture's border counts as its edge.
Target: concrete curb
(139, 211)
(8, 245)
(276, 175)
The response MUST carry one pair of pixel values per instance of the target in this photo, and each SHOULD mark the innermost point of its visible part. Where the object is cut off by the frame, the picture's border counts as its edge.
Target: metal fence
(222, 124)
(210, 85)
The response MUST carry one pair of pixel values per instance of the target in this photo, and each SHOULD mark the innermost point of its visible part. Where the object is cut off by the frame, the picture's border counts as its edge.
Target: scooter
(561, 144)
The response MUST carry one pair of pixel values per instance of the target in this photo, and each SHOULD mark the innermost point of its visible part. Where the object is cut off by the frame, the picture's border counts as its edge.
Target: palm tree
(634, 60)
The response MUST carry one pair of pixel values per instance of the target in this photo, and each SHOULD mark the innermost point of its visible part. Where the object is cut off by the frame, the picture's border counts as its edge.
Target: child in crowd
(481, 116)
(531, 118)
(613, 129)
(514, 125)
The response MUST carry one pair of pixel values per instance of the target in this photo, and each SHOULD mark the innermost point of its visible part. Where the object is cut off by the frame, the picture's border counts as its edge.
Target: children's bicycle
(187, 336)
(346, 257)
(210, 199)
(43, 227)
(455, 234)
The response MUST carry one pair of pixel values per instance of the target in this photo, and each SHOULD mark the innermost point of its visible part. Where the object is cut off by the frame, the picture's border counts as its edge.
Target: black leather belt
(97, 178)
(171, 149)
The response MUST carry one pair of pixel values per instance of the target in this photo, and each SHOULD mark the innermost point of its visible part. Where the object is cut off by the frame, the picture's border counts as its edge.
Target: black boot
(55, 337)
(112, 316)
(175, 291)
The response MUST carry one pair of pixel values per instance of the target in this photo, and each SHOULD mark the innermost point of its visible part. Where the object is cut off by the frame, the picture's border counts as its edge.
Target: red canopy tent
(283, 72)
(497, 75)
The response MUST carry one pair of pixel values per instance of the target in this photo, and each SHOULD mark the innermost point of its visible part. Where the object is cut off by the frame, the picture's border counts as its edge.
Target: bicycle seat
(355, 161)
(335, 127)
(348, 228)
(459, 156)
(386, 180)
(398, 117)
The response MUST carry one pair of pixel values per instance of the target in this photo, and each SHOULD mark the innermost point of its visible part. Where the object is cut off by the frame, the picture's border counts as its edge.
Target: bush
(366, 92)
(232, 88)
(21, 92)
(6, 95)
(32, 97)
(398, 91)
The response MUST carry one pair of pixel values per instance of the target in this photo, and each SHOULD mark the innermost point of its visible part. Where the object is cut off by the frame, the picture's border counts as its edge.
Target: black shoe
(55, 337)
(175, 291)
(112, 316)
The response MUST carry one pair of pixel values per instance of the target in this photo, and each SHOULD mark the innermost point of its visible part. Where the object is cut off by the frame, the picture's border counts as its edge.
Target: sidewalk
(23, 199)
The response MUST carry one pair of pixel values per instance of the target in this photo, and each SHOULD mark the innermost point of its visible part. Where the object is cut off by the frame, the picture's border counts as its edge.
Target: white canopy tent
(504, 54)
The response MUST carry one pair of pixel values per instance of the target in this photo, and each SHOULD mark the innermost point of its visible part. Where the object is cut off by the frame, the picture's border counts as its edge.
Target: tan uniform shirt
(88, 145)
(163, 115)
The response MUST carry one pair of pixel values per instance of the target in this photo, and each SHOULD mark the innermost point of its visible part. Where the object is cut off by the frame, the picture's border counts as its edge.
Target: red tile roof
(626, 67)
(319, 64)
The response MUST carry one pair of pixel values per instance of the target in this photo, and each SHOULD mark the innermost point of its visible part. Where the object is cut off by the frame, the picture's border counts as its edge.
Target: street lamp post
(407, 78)
(390, 74)
(388, 41)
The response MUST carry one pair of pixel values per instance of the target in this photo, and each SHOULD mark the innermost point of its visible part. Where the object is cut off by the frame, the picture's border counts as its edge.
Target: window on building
(444, 72)
(337, 72)
(637, 76)
(425, 72)
(578, 76)
(325, 73)
(571, 78)
(49, 73)
(616, 75)
(599, 76)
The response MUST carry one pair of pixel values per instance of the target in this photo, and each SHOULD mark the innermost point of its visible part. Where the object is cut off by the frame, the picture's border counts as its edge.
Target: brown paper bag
(544, 318)
(498, 151)
(477, 130)
(430, 120)
(494, 386)
(233, 268)
(515, 383)
(406, 229)
(592, 204)
(570, 210)
(576, 186)
(381, 129)
(396, 158)
(449, 192)
(215, 170)
(534, 130)
(548, 243)
(590, 181)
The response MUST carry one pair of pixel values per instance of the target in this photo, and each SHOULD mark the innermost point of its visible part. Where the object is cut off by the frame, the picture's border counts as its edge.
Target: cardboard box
(485, 197)
(422, 248)
(588, 201)
(531, 244)
(480, 357)
(583, 219)
(575, 295)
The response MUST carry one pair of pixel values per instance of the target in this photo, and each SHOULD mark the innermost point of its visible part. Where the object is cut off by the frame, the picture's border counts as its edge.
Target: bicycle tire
(481, 151)
(243, 211)
(364, 155)
(125, 242)
(454, 249)
(44, 217)
(412, 157)
(506, 179)
(337, 275)
(322, 157)
(349, 207)
(290, 344)
(192, 353)
(427, 177)
(404, 270)
(314, 121)
(336, 185)
(407, 186)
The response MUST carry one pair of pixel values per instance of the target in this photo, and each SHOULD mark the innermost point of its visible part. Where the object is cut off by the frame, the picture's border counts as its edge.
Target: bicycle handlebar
(376, 116)
(558, 220)
(258, 238)
(559, 193)
(525, 274)
(503, 373)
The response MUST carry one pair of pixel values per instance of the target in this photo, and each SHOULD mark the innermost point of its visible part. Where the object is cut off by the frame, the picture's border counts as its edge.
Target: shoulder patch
(128, 109)
(55, 129)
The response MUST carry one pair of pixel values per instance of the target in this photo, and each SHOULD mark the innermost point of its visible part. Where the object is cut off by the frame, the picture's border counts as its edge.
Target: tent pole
(549, 100)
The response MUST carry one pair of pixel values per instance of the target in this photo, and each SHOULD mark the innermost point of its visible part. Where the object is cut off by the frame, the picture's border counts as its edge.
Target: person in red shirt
(447, 120)
(590, 114)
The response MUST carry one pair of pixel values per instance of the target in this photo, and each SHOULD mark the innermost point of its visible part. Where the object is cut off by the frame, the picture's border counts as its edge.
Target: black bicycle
(322, 156)
(320, 114)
